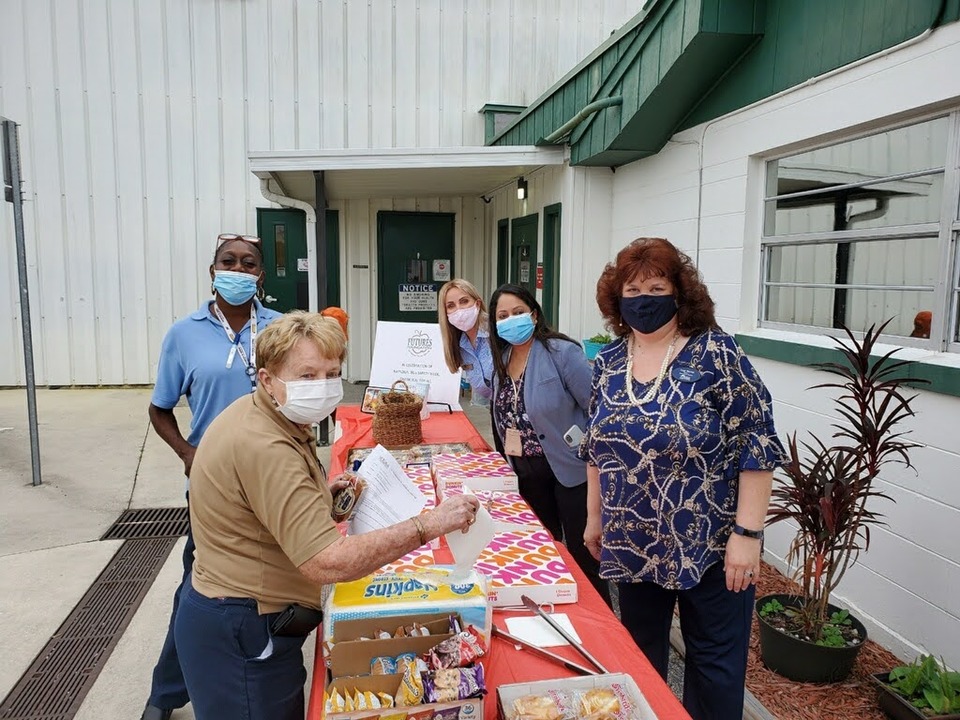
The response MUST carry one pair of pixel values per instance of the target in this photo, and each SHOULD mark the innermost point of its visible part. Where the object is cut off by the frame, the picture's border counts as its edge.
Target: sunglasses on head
(227, 237)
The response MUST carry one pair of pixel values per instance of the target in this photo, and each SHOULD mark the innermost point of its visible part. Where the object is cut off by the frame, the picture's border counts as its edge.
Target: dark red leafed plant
(825, 489)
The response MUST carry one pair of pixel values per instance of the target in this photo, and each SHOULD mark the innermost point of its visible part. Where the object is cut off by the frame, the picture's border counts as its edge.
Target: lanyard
(516, 397)
(236, 347)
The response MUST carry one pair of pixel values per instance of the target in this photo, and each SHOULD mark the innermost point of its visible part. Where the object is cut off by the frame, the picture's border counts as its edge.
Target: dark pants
(562, 510)
(221, 641)
(168, 690)
(716, 631)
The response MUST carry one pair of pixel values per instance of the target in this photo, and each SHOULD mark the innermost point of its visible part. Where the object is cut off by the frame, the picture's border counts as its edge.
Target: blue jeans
(222, 643)
(716, 631)
(168, 690)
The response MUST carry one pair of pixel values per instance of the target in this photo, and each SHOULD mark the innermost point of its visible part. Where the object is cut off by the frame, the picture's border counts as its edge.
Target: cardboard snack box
(526, 562)
(633, 705)
(418, 592)
(481, 471)
(462, 710)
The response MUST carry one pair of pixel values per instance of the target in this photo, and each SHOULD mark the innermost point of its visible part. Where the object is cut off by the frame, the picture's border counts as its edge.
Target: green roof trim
(661, 63)
(679, 63)
(943, 379)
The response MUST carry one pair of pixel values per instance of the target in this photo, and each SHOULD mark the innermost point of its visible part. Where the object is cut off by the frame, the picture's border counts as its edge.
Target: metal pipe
(12, 178)
(584, 113)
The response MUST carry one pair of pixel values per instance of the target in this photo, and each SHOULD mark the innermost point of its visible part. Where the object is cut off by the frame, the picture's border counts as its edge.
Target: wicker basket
(396, 421)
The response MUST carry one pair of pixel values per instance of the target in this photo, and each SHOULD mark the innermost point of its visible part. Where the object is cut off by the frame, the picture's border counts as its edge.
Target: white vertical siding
(137, 118)
(704, 192)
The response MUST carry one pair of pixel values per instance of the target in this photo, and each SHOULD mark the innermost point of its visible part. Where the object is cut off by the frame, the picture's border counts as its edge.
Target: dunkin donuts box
(526, 562)
(479, 470)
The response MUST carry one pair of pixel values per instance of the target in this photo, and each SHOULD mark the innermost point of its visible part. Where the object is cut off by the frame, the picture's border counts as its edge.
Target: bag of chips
(452, 684)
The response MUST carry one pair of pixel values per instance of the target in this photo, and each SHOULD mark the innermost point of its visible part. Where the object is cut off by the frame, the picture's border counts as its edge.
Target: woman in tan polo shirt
(260, 508)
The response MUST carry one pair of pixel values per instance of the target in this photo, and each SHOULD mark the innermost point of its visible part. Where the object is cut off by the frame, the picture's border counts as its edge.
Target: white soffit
(402, 172)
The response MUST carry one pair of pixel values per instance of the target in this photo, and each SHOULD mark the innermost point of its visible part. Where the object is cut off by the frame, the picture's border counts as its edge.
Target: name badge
(468, 366)
(685, 374)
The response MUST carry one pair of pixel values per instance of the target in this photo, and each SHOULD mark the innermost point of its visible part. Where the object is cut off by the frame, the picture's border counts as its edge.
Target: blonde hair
(450, 334)
(279, 337)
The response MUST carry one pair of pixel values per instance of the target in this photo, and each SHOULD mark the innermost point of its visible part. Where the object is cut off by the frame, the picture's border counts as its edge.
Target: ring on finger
(749, 573)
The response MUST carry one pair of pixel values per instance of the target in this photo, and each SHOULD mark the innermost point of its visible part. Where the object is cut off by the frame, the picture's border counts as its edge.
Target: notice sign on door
(418, 297)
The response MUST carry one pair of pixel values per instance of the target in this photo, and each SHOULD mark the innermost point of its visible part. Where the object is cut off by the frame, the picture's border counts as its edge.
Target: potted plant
(925, 689)
(592, 346)
(828, 492)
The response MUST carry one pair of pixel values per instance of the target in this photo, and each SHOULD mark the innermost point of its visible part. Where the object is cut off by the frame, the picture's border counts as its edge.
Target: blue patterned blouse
(669, 469)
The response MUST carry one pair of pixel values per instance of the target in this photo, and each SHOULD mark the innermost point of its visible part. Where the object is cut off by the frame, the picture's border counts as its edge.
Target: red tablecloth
(356, 430)
(601, 632)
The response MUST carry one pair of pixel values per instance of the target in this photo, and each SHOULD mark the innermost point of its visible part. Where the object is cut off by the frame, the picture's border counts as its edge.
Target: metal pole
(12, 179)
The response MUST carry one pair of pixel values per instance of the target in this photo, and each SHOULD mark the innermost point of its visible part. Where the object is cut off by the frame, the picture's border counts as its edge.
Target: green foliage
(927, 685)
(771, 607)
(825, 489)
(602, 338)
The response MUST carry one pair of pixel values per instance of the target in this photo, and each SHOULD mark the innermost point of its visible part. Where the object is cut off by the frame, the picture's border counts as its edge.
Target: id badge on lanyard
(236, 348)
(512, 441)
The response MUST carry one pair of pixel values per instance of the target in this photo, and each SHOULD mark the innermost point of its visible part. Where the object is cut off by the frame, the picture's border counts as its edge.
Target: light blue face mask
(234, 287)
(516, 329)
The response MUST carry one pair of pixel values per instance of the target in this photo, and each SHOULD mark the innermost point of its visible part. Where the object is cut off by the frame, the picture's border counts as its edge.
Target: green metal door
(551, 264)
(284, 237)
(523, 256)
(414, 258)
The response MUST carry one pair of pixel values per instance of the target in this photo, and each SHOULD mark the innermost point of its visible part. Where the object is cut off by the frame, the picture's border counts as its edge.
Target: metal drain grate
(57, 681)
(149, 523)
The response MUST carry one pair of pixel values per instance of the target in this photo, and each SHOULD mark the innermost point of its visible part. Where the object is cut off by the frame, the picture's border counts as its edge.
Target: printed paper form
(389, 498)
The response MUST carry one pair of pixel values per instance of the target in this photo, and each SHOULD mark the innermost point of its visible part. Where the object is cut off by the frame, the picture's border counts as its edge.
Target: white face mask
(310, 401)
(465, 318)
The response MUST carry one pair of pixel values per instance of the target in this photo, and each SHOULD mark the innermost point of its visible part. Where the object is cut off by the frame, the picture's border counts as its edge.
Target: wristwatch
(752, 534)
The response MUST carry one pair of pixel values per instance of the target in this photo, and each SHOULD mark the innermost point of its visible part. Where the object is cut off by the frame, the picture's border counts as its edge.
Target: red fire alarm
(539, 276)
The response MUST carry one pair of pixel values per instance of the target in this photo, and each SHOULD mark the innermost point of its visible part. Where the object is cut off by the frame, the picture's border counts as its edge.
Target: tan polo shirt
(259, 507)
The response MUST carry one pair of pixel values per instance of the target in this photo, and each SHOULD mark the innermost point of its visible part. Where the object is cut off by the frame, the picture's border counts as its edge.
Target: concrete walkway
(99, 457)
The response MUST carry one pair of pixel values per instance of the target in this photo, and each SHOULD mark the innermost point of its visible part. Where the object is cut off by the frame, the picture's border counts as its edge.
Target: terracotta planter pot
(895, 707)
(801, 660)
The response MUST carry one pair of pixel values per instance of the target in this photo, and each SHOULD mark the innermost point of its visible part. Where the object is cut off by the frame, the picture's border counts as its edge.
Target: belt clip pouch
(296, 621)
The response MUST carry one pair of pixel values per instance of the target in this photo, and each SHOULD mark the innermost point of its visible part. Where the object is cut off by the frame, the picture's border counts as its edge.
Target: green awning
(661, 64)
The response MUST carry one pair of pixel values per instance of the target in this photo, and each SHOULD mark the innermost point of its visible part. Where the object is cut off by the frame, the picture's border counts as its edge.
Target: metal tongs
(531, 605)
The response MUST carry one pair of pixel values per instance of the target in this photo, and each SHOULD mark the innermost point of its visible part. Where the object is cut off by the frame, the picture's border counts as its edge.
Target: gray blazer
(556, 392)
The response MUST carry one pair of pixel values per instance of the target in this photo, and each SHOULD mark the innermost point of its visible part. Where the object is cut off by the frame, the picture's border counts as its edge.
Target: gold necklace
(656, 385)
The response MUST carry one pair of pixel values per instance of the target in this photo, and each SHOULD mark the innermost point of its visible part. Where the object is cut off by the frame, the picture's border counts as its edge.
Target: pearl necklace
(651, 393)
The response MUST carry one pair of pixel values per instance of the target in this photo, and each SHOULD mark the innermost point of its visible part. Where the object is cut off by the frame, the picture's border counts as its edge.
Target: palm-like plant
(826, 492)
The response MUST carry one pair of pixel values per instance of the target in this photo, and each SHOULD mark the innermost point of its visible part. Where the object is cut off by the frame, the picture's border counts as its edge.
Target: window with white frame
(864, 230)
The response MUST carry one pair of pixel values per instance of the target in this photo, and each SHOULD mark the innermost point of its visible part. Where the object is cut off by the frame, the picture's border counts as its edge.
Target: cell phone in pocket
(573, 436)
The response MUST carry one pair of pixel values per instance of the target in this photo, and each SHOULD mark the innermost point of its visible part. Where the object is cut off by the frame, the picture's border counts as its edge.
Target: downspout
(587, 110)
(312, 260)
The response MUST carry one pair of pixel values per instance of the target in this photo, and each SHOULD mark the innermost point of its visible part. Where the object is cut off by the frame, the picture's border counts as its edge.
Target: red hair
(656, 257)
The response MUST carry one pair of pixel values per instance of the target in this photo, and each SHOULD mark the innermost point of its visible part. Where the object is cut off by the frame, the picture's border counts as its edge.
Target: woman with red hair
(680, 446)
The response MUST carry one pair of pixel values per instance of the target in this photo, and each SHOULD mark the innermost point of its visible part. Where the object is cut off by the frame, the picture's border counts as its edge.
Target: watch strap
(752, 534)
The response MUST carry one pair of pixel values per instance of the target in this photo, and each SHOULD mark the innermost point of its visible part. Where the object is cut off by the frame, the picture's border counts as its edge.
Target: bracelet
(420, 531)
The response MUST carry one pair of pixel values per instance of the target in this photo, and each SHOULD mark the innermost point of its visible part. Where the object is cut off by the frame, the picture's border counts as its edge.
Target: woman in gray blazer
(541, 390)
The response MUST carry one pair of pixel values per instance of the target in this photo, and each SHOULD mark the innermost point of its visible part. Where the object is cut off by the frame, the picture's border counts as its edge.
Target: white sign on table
(414, 352)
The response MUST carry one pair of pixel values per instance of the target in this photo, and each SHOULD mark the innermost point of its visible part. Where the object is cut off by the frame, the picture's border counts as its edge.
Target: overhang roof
(660, 63)
(402, 172)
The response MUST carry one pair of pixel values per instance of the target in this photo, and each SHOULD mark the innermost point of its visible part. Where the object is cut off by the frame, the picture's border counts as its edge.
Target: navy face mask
(648, 313)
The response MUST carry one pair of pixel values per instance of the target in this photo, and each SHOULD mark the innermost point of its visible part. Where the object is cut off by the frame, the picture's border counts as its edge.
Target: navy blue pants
(234, 668)
(716, 631)
(168, 690)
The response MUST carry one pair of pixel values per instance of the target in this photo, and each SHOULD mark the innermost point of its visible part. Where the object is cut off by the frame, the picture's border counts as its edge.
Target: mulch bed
(853, 699)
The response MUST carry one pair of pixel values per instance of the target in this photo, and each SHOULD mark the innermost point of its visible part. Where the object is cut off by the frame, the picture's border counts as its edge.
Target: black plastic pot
(896, 707)
(801, 660)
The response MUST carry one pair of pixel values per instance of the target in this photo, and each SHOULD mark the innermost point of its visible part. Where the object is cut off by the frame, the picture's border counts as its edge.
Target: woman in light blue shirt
(466, 345)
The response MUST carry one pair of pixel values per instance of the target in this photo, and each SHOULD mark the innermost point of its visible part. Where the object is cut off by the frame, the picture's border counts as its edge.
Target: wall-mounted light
(521, 189)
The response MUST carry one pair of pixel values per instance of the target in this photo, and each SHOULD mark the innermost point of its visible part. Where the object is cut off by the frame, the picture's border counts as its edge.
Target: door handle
(269, 299)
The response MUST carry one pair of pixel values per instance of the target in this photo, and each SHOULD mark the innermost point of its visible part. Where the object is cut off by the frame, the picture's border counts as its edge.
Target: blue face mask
(647, 313)
(516, 329)
(234, 287)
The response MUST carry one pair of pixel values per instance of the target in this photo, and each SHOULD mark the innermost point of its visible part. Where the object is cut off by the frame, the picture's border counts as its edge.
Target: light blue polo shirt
(193, 362)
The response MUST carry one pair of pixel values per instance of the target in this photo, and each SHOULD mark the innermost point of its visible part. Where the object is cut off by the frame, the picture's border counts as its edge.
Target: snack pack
(452, 684)
(458, 651)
